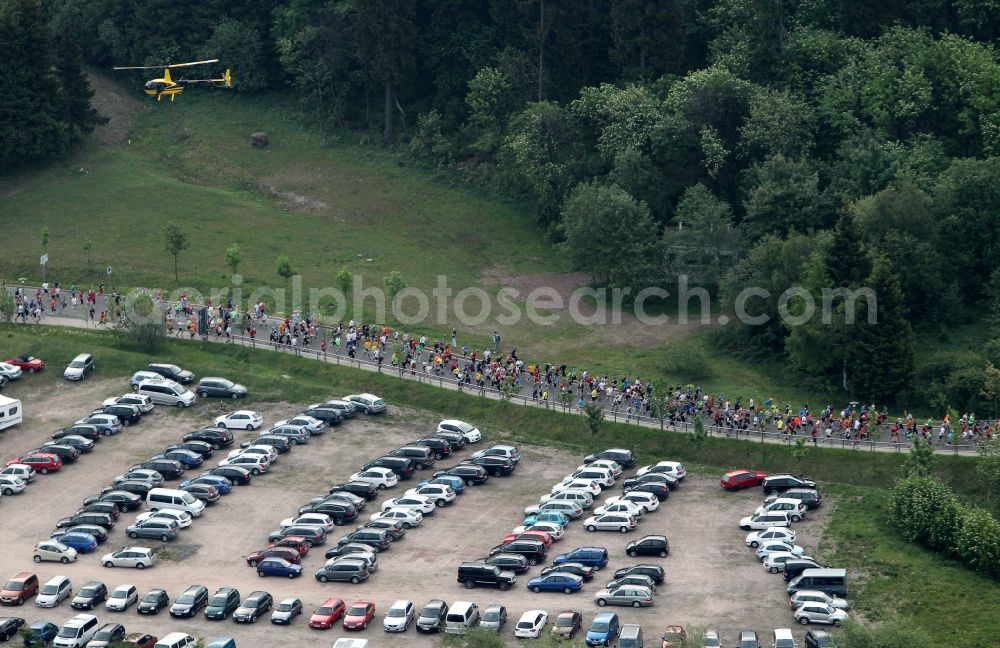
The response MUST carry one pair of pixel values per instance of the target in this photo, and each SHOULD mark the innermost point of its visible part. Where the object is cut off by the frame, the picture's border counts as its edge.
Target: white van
(169, 498)
(10, 412)
(630, 637)
(350, 643)
(462, 615)
(175, 640)
(167, 392)
(77, 632)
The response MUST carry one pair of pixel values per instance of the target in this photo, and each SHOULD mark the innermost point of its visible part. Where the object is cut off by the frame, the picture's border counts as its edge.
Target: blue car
(556, 582)
(187, 458)
(457, 483)
(278, 567)
(603, 629)
(547, 516)
(595, 557)
(224, 485)
(42, 632)
(82, 542)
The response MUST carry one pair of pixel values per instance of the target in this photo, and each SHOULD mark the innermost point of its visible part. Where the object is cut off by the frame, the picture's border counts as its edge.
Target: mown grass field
(890, 578)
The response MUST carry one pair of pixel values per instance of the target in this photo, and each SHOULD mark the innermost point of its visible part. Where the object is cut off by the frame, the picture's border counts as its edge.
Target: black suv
(795, 567)
(218, 438)
(99, 506)
(440, 447)
(361, 489)
(222, 603)
(456, 440)
(402, 466)
(471, 574)
(190, 602)
(377, 539)
(127, 414)
(173, 372)
(86, 431)
(431, 618)
(97, 519)
(624, 457)
(421, 456)
(509, 562)
(819, 639)
(201, 447)
(471, 473)
(121, 496)
(651, 545)
(658, 488)
(811, 498)
(68, 454)
(169, 468)
(780, 483)
(653, 571)
(339, 512)
(533, 550)
(632, 482)
(329, 415)
(496, 466)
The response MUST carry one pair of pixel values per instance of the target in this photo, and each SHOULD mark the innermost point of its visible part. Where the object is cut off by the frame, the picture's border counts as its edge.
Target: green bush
(926, 512)
(882, 635)
(687, 362)
(977, 540)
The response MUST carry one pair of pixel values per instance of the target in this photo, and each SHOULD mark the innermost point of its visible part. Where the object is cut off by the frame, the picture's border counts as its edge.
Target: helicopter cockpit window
(155, 85)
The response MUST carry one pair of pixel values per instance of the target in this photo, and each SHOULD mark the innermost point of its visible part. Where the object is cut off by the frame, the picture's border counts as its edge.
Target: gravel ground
(713, 580)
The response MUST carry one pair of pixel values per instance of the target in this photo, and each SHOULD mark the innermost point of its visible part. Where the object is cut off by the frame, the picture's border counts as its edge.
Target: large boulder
(259, 140)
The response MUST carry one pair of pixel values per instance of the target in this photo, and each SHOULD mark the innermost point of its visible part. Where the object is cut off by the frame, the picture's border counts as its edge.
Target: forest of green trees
(821, 143)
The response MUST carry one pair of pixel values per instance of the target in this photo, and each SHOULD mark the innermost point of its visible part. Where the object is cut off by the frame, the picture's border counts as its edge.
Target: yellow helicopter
(170, 87)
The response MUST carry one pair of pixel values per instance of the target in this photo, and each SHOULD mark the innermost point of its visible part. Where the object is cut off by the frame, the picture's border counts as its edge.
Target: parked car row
(168, 384)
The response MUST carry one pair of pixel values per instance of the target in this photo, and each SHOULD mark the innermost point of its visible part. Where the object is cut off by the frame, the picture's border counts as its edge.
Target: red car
(139, 640)
(298, 543)
(675, 636)
(742, 478)
(544, 537)
(43, 462)
(358, 615)
(288, 553)
(323, 617)
(28, 363)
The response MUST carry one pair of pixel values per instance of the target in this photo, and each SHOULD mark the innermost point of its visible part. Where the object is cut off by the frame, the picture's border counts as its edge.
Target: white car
(398, 617)
(775, 561)
(11, 372)
(647, 501)
(11, 484)
(313, 425)
(416, 502)
(24, 471)
(467, 430)
(256, 464)
(182, 518)
(600, 476)
(755, 538)
(572, 509)
(531, 624)
(141, 401)
(380, 477)
(795, 508)
(441, 493)
(138, 557)
(240, 419)
(54, 551)
(54, 592)
(621, 506)
(772, 546)
(583, 498)
(408, 516)
(820, 613)
(269, 452)
(556, 531)
(122, 597)
(802, 597)
(764, 521)
(367, 557)
(610, 522)
(503, 451)
(577, 484)
(319, 520)
(673, 468)
(609, 464)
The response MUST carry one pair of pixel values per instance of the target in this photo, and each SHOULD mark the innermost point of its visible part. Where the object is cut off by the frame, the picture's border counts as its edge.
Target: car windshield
(284, 607)
(14, 586)
(357, 610)
(76, 364)
(251, 603)
(103, 635)
(119, 594)
(711, 642)
(325, 609)
(396, 613)
(491, 615)
(185, 599)
(49, 589)
(218, 601)
(430, 611)
(68, 632)
(564, 621)
(599, 626)
(151, 597)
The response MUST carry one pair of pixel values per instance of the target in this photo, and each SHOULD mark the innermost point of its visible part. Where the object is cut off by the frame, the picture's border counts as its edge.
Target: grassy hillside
(890, 578)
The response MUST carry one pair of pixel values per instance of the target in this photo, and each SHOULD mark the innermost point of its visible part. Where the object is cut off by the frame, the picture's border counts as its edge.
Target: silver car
(294, 433)
(634, 595)
(820, 613)
(161, 528)
(138, 557)
(286, 611)
(313, 425)
(815, 596)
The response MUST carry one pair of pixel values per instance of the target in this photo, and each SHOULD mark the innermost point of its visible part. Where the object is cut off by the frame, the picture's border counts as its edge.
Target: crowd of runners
(547, 384)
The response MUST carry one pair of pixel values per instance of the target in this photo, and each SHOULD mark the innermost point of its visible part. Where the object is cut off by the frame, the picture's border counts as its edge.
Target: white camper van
(10, 412)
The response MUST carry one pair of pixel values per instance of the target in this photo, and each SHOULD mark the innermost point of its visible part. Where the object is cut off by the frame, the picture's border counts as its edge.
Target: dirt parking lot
(713, 580)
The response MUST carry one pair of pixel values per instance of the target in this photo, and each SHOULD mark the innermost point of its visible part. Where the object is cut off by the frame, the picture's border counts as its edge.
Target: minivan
(81, 367)
(630, 637)
(169, 498)
(603, 629)
(830, 581)
(167, 392)
(77, 632)
(19, 589)
(782, 639)
(421, 456)
(175, 640)
(480, 573)
(461, 616)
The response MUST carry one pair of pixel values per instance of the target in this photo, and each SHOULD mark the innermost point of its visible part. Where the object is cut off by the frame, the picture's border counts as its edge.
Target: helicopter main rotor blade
(164, 67)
